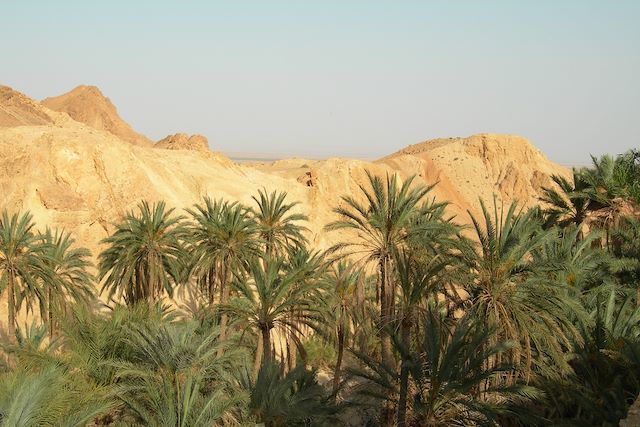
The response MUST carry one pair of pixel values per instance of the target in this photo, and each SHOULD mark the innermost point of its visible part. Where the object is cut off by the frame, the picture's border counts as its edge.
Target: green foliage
(145, 256)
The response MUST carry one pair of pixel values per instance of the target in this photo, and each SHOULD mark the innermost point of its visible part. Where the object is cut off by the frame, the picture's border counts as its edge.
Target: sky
(342, 78)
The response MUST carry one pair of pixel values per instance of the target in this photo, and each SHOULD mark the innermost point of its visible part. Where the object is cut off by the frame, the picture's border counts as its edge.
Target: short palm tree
(449, 369)
(49, 397)
(177, 375)
(22, 266)
(278, 225)
(383, 223)
(296, 398)
(72, 281)
(266, 299)
(145, 256)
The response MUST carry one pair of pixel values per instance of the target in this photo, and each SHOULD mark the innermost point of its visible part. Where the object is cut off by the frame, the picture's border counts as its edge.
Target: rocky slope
(86, 104)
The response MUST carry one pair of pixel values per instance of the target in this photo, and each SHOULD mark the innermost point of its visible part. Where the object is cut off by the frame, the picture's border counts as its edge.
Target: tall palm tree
(266, 299)
(224, 237)
(22, 266)
(72, 280)
(278, 226)
(505, 292)
(420, 280)
(145, 256)
(343, 280)
(383, 223)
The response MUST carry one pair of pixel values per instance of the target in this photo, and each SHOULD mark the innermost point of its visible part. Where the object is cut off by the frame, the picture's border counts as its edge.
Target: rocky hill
(86, 104)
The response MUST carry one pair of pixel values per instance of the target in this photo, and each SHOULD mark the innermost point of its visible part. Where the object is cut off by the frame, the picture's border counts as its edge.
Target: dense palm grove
(226, 315)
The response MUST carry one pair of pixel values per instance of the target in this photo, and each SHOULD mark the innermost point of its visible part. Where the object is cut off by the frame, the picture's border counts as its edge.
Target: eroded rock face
(17, 109)
(181, 141)
(86, 104)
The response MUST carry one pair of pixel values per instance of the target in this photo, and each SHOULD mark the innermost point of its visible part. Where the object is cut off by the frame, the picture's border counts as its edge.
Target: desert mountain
(181, 141)
(86, 104)
(72, 176)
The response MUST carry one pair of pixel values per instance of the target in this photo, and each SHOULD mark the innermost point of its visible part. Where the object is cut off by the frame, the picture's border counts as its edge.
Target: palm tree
(145, 256)
(384, 223)
(177, 375)
(343, 279)
(420, 280)
(22, 265)
(49, 397)
(277, 224)
(505, 292)
(266, 299)
(72, 281)
(293, 399)
(569, 203)
(449, 369)
(224, 237)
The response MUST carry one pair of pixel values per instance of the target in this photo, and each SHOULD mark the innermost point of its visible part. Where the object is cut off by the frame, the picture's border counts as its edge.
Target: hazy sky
(342, 77)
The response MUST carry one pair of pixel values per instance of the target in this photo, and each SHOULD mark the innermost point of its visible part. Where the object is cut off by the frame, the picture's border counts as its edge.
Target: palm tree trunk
(385, 312)
(266, 345)
(404, 373)
(11, 304)
(224, 298)
(50, 314)
(337, 371)
(258, 360)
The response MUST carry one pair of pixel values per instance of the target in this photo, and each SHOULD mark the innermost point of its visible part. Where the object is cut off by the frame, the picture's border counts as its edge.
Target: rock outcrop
(181, 141)
(86, 104)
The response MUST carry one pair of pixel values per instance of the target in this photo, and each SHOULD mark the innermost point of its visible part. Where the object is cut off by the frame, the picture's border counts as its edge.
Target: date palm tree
(145, 256)
(383, 223)
(22, 265)
(343, 280)
(278, 225)
(567, 204)
(420, 280)
(72, 282)
(266, 299)
(449, 368)
(505, 292)
(223, 238)
(176, 375)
